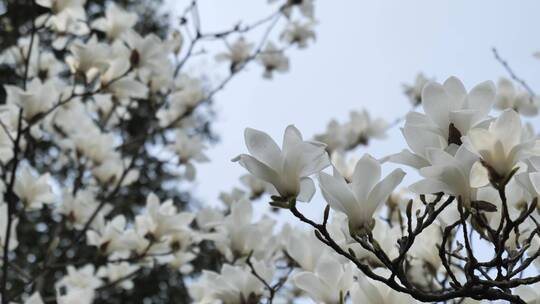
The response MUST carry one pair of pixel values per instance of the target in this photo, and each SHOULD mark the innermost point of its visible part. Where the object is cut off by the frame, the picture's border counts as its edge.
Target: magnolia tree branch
(511, 72)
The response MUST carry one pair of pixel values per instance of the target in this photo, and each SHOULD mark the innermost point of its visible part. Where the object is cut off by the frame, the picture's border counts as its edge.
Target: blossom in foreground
(287, 169)
(329, 282)
(500, 147)
(81, 282)
(450, 112)
(447, 173)
(359, 199)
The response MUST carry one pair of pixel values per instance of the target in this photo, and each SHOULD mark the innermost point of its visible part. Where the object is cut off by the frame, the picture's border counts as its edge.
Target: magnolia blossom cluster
(96, 110)
(475, 159)
(99, 111)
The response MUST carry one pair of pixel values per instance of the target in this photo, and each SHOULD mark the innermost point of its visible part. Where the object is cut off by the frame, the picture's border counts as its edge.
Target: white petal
(481, 97)
(263, 147)
(260, 170)
(383, 189)
(455, 89)
(366, 174)
(479, 176)
(436, 103)
(307, 190)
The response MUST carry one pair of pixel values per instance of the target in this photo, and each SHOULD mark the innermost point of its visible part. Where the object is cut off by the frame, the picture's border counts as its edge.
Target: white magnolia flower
(231, 197)
(238, 236)
(256, 186)
(386, 237)
(116, 272)
(110, 172)
(237, 53)
(33, 191)
(117, 81)
(414, 91)
(359, 199)
(447, 173)
(36, 99)
(115, 22)
(329, 283)
(81, 282)
(79, 208)
(89, 59)
(108, 236)
(189, 149)
(529, 180)
(148, 56)
(235, 284)
(188, 94)
(367, 291)
(334, 137)
(362, 128)
(305, 249)
(273, 59)
(358, 131)
(299, 34)
(343, 166)
(500, 147)
(450, 112)
(286, 169)
(68, 16)
(509, 97)
(161, 219)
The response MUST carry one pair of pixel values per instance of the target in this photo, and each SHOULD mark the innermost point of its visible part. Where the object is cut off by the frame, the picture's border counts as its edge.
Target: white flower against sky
(299, 34)
(115, 22)
(287, 169)
(414, 91)
(510, 97)
(500, 147)
(450, 112)
(360, 198)
(450, 174)
(237, 53)
(273, 59)
(32, 190)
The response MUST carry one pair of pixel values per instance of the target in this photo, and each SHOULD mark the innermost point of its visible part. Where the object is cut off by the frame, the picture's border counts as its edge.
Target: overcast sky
(364, 51)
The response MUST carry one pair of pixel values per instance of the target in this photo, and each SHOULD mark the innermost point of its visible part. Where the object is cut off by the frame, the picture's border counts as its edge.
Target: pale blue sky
(364, 51)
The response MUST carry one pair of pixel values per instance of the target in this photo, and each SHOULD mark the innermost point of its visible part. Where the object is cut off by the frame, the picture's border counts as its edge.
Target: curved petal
(481, 97)
(259, 169)
(307, 190)
(436, 103)
(507, 129)
(337, 194)
(291, 137)
(263, 147)
(456, 90)
(311, 284)
(367, 173)
(383, 189)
